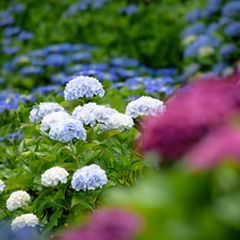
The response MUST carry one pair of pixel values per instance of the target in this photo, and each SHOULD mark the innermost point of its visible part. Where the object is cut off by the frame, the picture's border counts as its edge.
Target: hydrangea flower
(53, 176)
(52, 118)
(91, 113)
(38, 112)
(227, 50)
(83, 86)
(144, 106)
(231, 9)
(190, 115)
(89, 178)
(118, 121)
(2, 186)
(23, 221)
(233, 30)
(17, 199)
(112, 223)
(66, 131)
(218, 146)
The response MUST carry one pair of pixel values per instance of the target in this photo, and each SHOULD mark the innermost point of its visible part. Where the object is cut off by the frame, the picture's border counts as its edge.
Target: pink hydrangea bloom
(221, 145)
(190, 115)
(107, 224)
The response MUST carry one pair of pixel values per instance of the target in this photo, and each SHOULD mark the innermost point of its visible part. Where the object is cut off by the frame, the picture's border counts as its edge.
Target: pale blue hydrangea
(24, 221)
(89, 178)
(51, 119)
(118, 121)
(41, 110)
(91, 113)
(66, 131)
(83, 86)
(144, 106)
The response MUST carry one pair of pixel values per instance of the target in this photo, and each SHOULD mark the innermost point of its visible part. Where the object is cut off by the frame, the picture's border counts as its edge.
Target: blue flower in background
(124, 62)
(194, 15)
(213, 27)
(6, 21)
(43, 90)
(195, 29)
(23, 36)
(218, 68)
(231, 9)
(55, 60)
(31, 70)
(10, 50)
(11, 31)
(203, 40)
(227, 50)
(130, 9)
(233, 30)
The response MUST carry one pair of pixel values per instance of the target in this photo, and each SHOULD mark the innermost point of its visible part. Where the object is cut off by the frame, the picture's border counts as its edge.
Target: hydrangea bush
(211, 41)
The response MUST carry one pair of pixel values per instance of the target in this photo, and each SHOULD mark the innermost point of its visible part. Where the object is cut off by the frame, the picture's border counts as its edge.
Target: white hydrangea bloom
(18, 199)
(91, 113)
(89, 178)
(83, 86)
(144, 106)
(24, 220)
(52, 118)
(2, 186)
(53, 176)
(118, 121)
(66, 131)
(41, 110)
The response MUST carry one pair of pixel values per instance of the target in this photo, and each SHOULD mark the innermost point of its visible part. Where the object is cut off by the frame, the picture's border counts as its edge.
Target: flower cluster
(40, 111)
(91, 113)
(212, 38)
(190, 115)
(18, 199)
(89, 178)
(144, 106)
(83, 86)
(53, 176)
(67, 130)
(23, 221)
(51, 119)
(118, 121)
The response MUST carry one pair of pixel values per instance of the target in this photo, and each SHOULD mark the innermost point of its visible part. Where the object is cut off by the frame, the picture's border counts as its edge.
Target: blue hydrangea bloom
(218, 68)
(10, 31)
(233, 30)
(227, 49)
(23, 36)
(194, 15)
(231, 9)
(195, 29)
(130, 9)
(67, 130)
(89, 178)
(204, 40)
(83, 86)
(55, 60)
(41, 110)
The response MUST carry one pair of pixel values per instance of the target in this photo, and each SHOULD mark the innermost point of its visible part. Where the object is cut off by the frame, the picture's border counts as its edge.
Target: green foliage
(178, 204)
